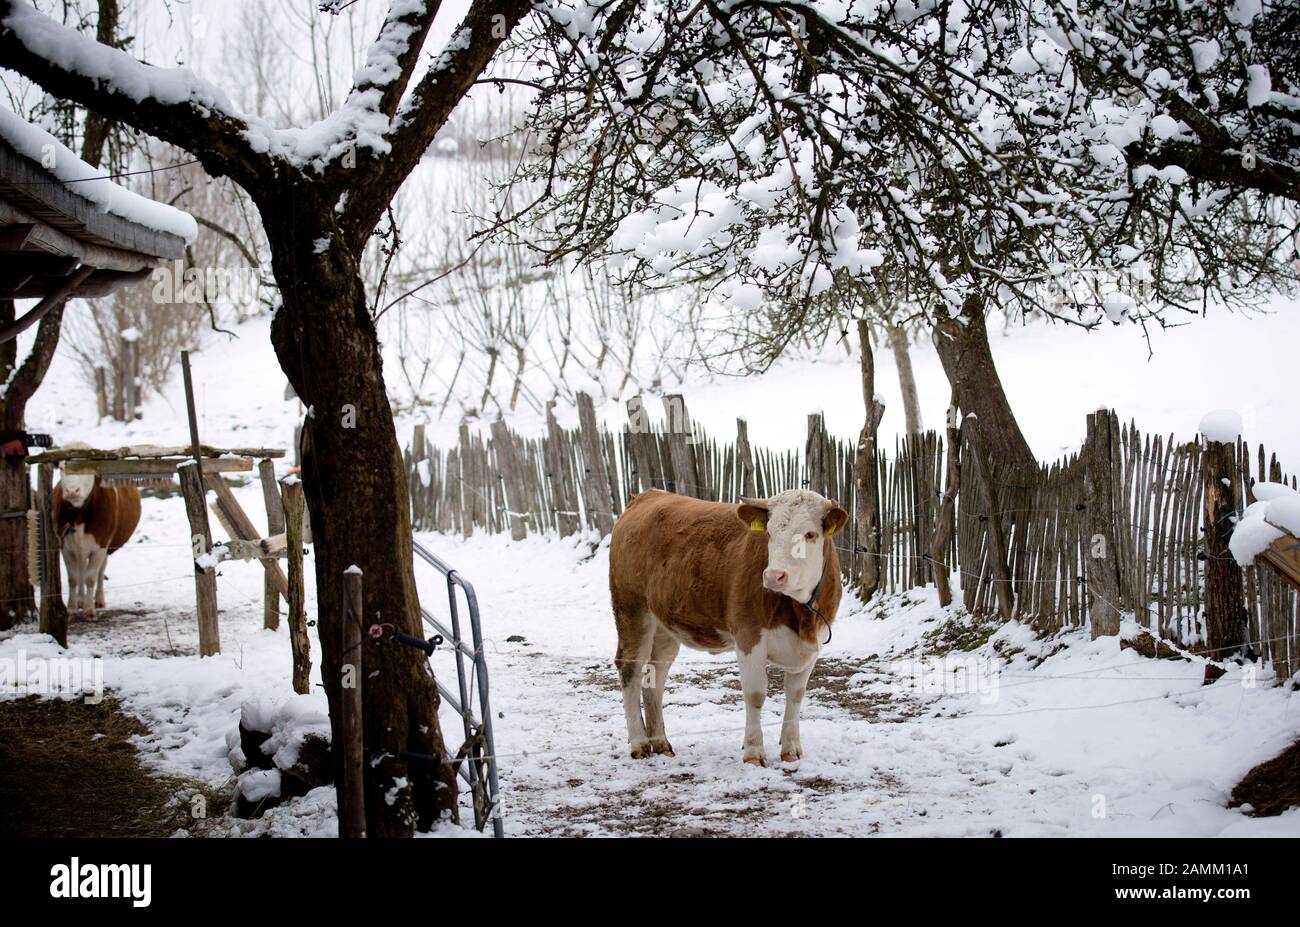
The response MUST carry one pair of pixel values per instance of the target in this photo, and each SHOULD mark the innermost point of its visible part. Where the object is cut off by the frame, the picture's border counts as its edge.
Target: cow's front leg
(72, 561)
(92, 594)
(99, 580)
(753, 684)
(795, 686)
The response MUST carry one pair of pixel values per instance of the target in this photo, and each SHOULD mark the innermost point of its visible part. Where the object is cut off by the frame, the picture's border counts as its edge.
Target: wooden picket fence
(574, 480)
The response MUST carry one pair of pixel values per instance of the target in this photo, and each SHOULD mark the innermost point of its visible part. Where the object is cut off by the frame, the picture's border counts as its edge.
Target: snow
(1223, 425)
(89, 182)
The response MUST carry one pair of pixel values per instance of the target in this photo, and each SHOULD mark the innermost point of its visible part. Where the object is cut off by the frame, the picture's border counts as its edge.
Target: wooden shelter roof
(56, 242)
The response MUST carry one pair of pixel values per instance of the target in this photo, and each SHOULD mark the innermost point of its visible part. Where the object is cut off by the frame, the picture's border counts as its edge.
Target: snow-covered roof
(66, 230)
(90, 183)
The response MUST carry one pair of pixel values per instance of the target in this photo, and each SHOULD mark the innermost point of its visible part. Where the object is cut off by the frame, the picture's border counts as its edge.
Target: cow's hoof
(789, 756)
(642, 750)
(662, 746)
(758, 760)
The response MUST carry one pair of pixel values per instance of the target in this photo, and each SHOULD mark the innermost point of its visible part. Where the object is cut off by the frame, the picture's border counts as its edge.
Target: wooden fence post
(997, 548)
(681, 444)
(1225, 610)
(866, 481)
(274, 526)
(511, 478)
(595, 487)
(1103, 552)
(205, 578)
(946, 524)
(54, 613)
(745, 457)
(299, 643)
(352, 808)
(815, 453)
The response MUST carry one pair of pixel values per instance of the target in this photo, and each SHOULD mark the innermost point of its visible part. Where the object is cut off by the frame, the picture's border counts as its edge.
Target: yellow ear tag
(757, 525)
(832, 530)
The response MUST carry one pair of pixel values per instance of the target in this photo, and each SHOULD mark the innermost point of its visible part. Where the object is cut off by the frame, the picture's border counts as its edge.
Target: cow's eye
(811, 536)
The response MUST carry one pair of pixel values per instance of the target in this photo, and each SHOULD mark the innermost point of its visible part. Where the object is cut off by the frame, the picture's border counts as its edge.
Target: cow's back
(682, 559)
(126, 503)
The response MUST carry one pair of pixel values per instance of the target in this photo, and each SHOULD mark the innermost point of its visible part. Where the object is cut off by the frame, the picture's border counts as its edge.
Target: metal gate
(478, 767)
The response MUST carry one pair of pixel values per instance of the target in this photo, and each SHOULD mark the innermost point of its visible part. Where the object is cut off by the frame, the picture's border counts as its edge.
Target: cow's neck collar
(808, 603)
(810, 606)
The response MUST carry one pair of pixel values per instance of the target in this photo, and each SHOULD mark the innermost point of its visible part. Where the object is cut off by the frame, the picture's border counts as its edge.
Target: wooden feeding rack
(160, 465)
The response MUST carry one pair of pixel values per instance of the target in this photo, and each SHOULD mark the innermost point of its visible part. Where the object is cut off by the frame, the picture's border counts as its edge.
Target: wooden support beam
(299, 643)
(274, 547)
(54, 613)
(205, 577)
(155, 467)
(150, 451)
(352, 809)
(37, 312)
(274, 526)
(240, 527)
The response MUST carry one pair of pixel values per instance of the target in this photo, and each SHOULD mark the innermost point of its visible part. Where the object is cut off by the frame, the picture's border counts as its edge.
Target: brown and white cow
(92, 521)
(761, 578)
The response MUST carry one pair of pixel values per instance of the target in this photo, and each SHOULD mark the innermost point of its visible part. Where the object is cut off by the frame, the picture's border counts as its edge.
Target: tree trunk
(17, 598)
(357, 497)
(866, 539)
(1225, 609)
(963, 346)
(906, 378)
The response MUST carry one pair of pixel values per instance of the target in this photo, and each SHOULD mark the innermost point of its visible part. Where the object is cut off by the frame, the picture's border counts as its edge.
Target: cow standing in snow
(92, 521)
(762, 578)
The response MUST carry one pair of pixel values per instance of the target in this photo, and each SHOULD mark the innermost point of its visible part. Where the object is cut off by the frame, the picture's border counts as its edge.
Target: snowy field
(1055, 737)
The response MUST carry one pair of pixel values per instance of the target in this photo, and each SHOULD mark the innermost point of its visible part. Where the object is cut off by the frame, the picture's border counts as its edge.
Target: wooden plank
(54, 613)
(274, 527)
(299, 642)
(154, 467)
(352, 809)
(151, 451)
(205, 578)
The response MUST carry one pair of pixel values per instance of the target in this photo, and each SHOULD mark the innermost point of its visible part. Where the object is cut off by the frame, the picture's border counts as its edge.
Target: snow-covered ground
(1019, 737)
(1063, 736)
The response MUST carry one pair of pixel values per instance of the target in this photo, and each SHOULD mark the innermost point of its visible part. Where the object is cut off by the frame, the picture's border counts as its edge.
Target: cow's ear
(834, 519)
(753, 512)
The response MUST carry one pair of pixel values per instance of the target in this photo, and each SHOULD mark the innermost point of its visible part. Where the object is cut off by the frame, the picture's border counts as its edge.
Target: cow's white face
(796, 522)
(77, 488)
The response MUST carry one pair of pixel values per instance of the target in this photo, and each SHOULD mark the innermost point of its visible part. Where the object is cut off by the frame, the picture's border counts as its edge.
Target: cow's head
(796, 523)
(77, 488)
